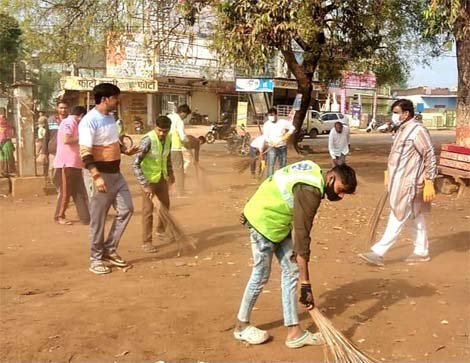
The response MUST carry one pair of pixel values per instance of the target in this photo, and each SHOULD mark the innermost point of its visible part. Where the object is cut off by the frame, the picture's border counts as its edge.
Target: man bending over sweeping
(152, 168)
(284, 203)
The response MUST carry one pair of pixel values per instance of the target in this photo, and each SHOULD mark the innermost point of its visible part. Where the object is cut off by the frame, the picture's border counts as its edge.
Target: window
(329, 117)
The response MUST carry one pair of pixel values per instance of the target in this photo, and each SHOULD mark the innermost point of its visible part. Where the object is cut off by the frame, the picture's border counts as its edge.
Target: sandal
(63, 221)
(251, 335)
(99, 268)
(307, 338)
(149, 248)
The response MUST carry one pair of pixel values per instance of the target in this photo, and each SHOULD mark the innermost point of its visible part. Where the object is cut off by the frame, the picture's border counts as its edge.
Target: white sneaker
(307, 338)
(252, 335)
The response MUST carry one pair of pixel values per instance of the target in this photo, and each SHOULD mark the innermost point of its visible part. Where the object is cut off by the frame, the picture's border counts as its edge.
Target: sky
(442, 72)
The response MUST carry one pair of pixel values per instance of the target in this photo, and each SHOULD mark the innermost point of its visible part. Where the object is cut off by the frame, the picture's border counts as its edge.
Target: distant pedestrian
(7, 150)
(50, 140)
(276, 132)
(339, 143)
(153, 170)
(101, 150)
(68, 167)
(178, 138)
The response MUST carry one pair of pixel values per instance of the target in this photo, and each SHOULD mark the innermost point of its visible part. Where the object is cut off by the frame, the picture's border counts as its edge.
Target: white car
(316, 123)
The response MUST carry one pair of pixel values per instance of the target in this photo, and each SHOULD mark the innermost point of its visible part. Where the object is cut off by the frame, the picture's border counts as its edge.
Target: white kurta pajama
(411, 161)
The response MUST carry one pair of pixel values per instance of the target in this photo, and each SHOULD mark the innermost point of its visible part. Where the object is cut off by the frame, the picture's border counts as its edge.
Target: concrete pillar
(150, 109)
(374, 107)
(23, 95)
(343, 101)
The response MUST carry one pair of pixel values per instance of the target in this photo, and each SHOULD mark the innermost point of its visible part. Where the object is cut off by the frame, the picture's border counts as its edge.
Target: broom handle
(376, 217)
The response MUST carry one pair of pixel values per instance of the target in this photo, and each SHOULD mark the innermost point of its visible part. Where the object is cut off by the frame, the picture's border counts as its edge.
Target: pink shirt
(68, 155)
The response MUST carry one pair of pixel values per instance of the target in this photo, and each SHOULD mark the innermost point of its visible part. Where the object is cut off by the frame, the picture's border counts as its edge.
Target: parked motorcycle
(199, 119)
(377, 126)
(239, 144)
(220, 132)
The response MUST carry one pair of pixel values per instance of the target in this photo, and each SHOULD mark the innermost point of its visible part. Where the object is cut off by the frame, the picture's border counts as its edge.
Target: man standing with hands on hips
(100, 151)
(178, 140)
(276, 133)
(410, 181)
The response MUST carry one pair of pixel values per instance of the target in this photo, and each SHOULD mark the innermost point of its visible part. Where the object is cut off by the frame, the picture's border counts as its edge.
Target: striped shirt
(99, 142)
(411, 161)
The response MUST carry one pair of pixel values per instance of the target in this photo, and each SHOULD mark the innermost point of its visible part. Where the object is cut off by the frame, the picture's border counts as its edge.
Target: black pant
(70, 183)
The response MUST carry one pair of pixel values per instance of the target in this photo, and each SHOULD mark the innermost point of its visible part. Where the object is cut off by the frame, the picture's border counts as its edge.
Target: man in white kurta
(410, 180)
(338, 143)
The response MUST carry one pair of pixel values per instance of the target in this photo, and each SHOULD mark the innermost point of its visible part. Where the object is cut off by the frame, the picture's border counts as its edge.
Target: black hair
(163, 122)
(78, 111)
(105, 90)
(184, 109)
(61, 101)
(348, 177)
(202, 139)
(272, 110)
(405, 105)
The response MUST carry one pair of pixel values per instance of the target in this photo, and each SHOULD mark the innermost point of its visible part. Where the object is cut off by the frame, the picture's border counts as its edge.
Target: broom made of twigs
(240, 166)
(340, 348)
(202, 180)
(375, 218)
(173, 228)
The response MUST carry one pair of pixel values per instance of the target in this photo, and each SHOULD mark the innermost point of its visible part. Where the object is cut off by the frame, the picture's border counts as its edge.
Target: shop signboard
(285, 84)
(242, 113)
(254, 85)
(129, 55)
(73, 83)
(357, 80)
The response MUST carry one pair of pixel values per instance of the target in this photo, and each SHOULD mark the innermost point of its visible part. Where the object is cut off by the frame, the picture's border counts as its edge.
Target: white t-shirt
(177, 125)
(258, 142)
(338, 143)
(274, 131)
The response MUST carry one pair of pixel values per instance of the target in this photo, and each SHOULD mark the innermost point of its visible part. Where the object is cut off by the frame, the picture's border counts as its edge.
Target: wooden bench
(454, 161)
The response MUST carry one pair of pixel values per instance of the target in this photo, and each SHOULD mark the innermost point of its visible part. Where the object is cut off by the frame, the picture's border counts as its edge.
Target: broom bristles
(341, 349)
(173, 228)
(202, 180)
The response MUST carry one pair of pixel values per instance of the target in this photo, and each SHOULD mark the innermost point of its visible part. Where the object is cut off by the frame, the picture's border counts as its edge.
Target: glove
(386, 178)
(286, 137)
(263, 165)
(242, 219)
(429, 193)
(306, 296)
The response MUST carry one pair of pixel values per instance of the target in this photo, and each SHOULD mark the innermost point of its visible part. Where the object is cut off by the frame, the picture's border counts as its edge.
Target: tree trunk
(462, 131)
(304, 76)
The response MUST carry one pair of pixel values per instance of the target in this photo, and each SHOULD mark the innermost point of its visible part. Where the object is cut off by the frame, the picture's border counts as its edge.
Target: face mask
(330, 191)
(396, 119)
(272, 118)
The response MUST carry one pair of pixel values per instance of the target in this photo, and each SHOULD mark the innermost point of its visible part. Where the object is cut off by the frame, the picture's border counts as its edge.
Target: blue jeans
(273, 154)
(263, 251)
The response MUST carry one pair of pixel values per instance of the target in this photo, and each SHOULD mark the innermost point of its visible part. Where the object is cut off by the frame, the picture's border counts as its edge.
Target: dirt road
(183, 309)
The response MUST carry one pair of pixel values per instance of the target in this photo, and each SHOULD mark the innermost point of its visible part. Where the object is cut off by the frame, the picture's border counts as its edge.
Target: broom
(242, 165)
(173, 228)
(202, 180)
(341, 349)
(374, 221)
